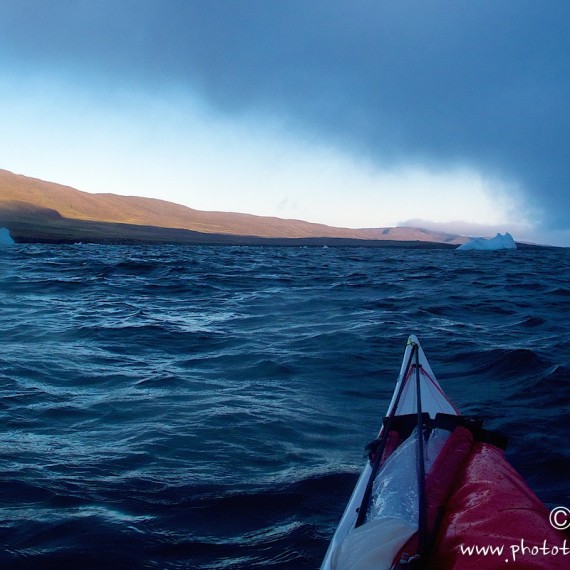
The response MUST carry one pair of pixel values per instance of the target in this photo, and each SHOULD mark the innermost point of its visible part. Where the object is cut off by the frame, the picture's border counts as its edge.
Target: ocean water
(207, 407)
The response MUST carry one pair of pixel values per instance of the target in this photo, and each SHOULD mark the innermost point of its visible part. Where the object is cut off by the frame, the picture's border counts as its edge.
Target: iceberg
(5, 237)
(500, 241)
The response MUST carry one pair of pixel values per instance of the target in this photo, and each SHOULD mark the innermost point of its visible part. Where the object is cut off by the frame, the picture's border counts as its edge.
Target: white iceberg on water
(5, 237)
(498, 242)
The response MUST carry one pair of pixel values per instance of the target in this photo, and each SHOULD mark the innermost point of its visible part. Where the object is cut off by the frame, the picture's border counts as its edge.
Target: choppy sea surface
(207, 407)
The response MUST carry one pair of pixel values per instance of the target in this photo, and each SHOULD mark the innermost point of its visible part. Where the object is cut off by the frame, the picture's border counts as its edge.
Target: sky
(452, 115)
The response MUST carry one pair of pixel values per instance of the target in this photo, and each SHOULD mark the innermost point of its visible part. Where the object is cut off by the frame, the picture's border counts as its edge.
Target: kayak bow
(436, 480)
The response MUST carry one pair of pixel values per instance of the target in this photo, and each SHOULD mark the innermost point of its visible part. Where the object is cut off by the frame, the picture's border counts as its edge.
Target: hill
(36, 210)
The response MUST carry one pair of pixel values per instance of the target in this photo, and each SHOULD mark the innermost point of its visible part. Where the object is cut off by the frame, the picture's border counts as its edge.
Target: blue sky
(445, 114)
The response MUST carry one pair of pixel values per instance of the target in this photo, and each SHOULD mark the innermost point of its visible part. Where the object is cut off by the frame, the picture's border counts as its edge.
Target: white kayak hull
(404, 401)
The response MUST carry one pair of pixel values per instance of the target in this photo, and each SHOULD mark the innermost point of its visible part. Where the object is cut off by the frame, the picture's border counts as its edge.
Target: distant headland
(45, 212)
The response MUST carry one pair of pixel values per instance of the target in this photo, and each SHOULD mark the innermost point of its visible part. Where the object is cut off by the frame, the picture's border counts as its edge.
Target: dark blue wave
(203, 407)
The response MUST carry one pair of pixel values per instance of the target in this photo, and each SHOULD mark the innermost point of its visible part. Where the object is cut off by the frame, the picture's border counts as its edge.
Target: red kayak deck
(492, 507)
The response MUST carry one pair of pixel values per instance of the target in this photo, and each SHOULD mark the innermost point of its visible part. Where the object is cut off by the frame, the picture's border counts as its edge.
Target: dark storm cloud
(484, 84)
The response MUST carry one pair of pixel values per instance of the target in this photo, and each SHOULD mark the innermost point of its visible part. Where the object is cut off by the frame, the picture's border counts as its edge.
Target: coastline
(67, 231)
(28, 227)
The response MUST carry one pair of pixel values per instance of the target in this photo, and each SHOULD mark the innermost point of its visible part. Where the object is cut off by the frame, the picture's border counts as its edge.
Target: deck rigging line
(363, 509)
